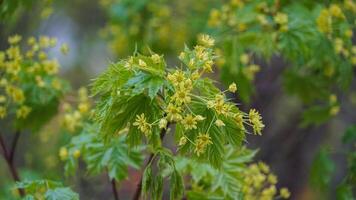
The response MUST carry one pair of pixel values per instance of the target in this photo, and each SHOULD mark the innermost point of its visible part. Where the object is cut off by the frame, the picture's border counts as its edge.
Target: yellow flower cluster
(142, 124)
(249, 69)
(179, 103)
(228, 15)
(282, 20)
(63, 153)
(202, 141)
(326, 16)
(162, 28)
(260, 184)
(256, 121)
(74, 117)
(27, 66)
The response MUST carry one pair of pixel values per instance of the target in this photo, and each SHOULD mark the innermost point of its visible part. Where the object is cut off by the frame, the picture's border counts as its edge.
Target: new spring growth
(184, 93)
(26, 67)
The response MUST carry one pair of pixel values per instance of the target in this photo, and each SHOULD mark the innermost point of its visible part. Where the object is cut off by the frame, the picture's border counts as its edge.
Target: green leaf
(344, 192)
(321, 170)
(349, 135)
(176, 185)
(147, 181)
(142, 81)
(61, 194)
(316, 115)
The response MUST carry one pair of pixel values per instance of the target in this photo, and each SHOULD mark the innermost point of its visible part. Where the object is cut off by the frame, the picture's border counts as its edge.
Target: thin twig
(9, 158)
(13, 146)
(114, 190)
(138, 191)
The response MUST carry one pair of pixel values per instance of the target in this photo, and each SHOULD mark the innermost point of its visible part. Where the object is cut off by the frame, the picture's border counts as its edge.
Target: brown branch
(13, 146)
(138, 191)
(114, 190)
(9, 158)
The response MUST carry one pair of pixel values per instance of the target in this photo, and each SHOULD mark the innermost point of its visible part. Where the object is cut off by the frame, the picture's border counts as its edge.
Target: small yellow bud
(64, 49)
(334, 110)
(2, 112)
(142, 63)
(244, 59)
(284, 192)
(163, 123)
(76, 153)
(219, 123)
(14, 39)
(232, 87)
(156, 58)
(182, 141)
(63, 153)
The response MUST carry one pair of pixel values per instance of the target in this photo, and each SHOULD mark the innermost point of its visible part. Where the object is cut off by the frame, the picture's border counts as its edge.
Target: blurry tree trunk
(9, 155)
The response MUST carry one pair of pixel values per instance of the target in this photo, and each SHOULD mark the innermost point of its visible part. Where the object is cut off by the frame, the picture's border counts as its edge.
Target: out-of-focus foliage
(46, 189)
(162, 24)
(9, 8)
(30, 89)
(323, 169)
(313, 38)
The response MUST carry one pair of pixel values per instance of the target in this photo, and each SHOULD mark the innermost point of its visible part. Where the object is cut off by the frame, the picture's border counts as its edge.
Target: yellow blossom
(3, 112)
(51, 66)
(324, 21)
(64, 49)
(182, 141)
(284, 192)
(76, 153)
(162, 123)
(219, 123)
(272, 179)
(156, 58)
(16, 94)
(206, 40)
(336, 11)
(14, 39)
(232, 87)
(281, 18)
(63, 153)
(56, 84)
(173, 113)
(176, 78)
(40, 81)
(256, 121)
(142, 63)
(2, 99)
(142, 124)
(202, 141)
(181, 97)
(190, 121)
(244, 58)
(239, 120)
(334, 110)
(23, 111)
(83, 107)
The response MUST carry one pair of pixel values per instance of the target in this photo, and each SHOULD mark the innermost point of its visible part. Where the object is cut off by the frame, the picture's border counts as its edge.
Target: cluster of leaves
(113, 157)
(140, 98)
(323, 169)
(161, 24)
(10, 7)
(236, 179)
(313, 38)
(30, 89)
(46, 189)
